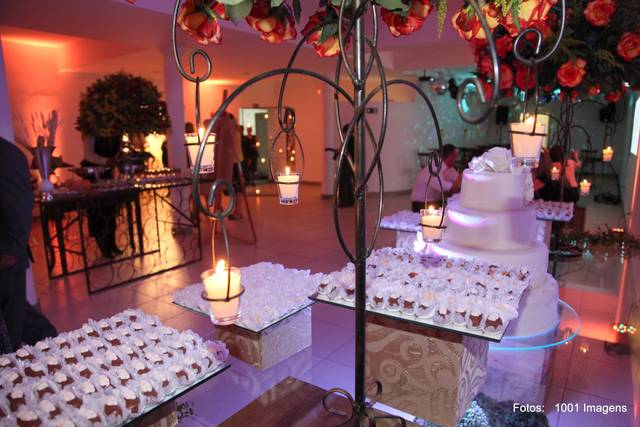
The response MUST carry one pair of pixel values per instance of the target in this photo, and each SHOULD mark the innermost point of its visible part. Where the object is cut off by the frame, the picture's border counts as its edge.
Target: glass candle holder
(607, 154)
(430, 221)
(526, 143)
(288, 187)
(207, 165)
(585, 187)
(555, 173)
(222, 289)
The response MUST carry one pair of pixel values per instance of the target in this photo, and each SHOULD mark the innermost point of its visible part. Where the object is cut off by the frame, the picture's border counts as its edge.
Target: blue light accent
(495, 347)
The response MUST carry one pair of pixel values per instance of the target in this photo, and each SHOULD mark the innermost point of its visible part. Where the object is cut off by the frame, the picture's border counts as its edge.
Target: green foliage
(122, 103)
(442, 15)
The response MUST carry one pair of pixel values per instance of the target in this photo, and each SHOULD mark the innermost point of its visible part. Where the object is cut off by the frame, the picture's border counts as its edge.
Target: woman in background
(570, 191)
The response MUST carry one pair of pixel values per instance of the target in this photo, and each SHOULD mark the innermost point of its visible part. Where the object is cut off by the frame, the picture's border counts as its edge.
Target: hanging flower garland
(599, 54)
(276, 20)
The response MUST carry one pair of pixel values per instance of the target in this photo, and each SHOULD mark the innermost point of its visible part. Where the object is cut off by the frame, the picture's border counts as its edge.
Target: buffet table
(154, 226)
(114, 371)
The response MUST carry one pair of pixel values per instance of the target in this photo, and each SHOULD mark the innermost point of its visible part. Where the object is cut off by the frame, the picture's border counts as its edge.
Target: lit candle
(555, 173)
(607, 154)
(216, 287)
(585, 187)
(431, 219)
(288, 186)
(208, 158)
(524, 145)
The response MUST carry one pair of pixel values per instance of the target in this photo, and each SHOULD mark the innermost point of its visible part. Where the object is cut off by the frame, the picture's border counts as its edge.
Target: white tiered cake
(489, 221)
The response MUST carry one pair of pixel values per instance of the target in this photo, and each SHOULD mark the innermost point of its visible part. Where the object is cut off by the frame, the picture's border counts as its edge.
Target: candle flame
(220, 266)
(201, 132)
(287, 170)
(432, 210)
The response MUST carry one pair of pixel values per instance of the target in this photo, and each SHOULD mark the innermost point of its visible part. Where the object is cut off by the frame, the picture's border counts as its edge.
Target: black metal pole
(360, 211)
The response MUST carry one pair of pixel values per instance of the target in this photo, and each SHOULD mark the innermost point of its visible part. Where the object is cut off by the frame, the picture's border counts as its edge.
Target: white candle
(208, 163)
(216, 287)
(607, 154)
(585, 187)
(555, 173)
(431, 218)
(288, 186)
(524, 145)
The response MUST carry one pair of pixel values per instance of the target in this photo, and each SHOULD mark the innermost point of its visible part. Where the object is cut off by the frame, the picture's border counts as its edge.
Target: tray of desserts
(402, 221)
(462, 296)
(109, 372)
(263, 305)
(553, 211)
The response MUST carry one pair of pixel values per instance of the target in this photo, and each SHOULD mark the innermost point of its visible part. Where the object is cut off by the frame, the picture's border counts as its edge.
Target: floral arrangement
(598, 54)
(119, 104)
(275, 20)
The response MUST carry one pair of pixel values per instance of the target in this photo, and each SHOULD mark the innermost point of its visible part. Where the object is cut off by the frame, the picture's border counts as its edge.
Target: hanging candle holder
(585, 187)
(222, 284)
(286, 160)
(432, 218)
(192, 145)
(527, 138)
(607, 154)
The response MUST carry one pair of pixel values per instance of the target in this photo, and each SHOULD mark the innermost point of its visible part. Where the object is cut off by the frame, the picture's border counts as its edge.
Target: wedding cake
(490, 221)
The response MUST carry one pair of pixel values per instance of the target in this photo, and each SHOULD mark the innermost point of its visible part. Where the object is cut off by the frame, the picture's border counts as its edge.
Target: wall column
(331, 139)
(6, 119)
(173, 94)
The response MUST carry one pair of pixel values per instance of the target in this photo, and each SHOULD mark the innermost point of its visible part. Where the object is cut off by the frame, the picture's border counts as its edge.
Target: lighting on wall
(625, 329)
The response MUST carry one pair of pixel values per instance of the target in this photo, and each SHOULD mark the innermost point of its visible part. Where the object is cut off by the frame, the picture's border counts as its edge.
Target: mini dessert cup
(105, 382)
(392, 301)
(27, 417)
(408, 305)
(460, 314)
(133, 402)
(11, 378)
(7, 362)
(16, 398)
(442, 315)
(89, 415)
(122, 376)
(50, 408)
(151, 391)
(45, 346)
(163, 380)
(323, 288)
(113, 408)
(63, 378)
(44, 388)
(425, 307)
(70, 398)
(348, 292)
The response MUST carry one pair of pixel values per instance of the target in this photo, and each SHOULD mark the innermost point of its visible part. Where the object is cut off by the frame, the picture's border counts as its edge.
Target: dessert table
(157, 230)
(115, 371)
(429, 368)
(275, 323)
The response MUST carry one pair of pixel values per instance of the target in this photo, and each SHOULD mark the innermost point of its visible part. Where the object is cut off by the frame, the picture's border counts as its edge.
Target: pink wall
(304, 95)
(47, 76)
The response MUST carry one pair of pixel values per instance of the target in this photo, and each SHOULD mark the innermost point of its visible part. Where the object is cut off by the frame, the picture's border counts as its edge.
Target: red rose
(594, 90)
(331, 46)
(629, 46)
(485, 65)
(613, 96)
(194, 18)
(405, 25)
(487, 89)
(598, 12)
(529, 13)
(571, 73)
(506, 77)
(275, 24)
(504, 46)
(469, 26)
(525, 78)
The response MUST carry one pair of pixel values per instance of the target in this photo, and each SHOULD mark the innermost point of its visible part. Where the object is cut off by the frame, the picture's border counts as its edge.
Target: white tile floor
(303, 237)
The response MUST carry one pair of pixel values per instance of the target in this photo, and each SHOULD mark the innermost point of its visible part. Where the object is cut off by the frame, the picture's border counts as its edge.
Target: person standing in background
(250, 154)
(24, 323)
(450, 178)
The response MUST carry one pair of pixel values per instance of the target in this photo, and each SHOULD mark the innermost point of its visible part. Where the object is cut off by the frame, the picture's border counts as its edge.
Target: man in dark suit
(24, 322)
